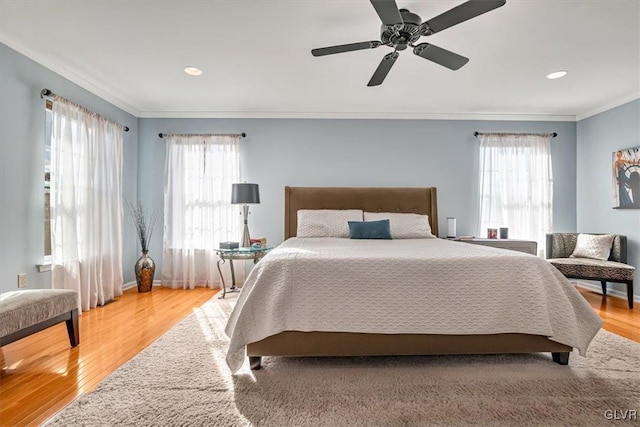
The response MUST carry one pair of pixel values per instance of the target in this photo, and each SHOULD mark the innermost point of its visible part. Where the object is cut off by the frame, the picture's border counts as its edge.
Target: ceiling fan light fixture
(192, 71)
(556, 75)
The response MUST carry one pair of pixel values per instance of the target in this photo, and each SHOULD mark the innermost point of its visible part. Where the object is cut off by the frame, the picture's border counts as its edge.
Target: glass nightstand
(239, 254)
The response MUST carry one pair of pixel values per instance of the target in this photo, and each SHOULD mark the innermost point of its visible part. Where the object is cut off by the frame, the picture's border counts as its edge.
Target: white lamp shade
(451, 227)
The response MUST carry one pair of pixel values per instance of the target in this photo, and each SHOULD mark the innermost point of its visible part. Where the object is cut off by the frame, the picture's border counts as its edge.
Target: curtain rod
(243, 134)
(553, 135)
(46, 93)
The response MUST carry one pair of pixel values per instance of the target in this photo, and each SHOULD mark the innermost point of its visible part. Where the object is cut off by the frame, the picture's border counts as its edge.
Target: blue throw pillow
(370, 229)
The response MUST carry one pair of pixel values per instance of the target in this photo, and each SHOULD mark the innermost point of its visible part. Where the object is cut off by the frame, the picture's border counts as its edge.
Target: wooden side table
(239, 254)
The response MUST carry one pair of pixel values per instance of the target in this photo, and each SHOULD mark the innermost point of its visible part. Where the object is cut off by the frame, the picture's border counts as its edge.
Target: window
(516, 186)
(198, 215)
(85, 176)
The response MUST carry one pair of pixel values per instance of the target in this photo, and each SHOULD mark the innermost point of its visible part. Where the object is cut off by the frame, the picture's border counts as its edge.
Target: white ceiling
(257, 62)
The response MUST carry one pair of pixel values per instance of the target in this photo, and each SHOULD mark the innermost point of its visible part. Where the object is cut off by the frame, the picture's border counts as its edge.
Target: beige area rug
(182, 379)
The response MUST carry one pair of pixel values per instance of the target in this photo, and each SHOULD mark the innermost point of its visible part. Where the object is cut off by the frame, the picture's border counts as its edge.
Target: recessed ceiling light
(193, 71)
(556, 75)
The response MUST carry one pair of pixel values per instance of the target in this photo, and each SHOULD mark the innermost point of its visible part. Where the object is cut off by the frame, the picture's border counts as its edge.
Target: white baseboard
(130, 285)
(610, 292)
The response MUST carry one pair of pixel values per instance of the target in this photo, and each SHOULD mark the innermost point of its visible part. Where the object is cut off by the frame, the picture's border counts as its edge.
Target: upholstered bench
(560, 246)
(26, 312)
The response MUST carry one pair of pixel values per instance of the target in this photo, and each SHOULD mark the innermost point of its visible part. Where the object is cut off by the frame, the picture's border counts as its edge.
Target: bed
(274, 320)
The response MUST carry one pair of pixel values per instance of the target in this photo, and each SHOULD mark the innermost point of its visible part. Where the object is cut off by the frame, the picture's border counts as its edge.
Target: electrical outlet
(22, 280)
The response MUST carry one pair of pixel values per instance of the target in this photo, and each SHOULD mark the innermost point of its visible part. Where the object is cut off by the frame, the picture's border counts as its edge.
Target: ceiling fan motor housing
(400, 36)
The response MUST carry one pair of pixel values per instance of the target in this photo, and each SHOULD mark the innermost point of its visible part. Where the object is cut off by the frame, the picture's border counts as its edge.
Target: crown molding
(117, 100)
(74, 76)
(355, 115)
(608, 106)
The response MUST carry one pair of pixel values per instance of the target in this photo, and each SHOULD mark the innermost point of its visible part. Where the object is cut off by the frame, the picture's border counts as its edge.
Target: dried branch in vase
(144, 222)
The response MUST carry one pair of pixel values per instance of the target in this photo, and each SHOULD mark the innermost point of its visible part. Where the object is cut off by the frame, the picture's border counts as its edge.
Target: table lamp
(245, 194)
(451, 226)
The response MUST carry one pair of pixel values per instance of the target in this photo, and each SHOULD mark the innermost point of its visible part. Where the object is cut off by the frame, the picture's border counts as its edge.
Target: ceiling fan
(401, 29)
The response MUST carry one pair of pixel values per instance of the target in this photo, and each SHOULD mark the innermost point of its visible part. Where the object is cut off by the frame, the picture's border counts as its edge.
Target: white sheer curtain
(516, 186)
(198, 214)
(86, 204)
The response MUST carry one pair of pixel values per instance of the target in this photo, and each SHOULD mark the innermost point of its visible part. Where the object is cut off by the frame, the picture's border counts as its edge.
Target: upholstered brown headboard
(421, 200)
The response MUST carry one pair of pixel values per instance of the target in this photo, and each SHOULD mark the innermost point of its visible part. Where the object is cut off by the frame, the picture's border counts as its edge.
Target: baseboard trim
(130, 285)
(610, 292)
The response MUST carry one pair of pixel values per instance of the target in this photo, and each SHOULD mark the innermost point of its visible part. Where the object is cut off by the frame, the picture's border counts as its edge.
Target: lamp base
(246, 239)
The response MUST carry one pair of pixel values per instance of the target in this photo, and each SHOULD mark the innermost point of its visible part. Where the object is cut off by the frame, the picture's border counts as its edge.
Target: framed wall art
(626, 178)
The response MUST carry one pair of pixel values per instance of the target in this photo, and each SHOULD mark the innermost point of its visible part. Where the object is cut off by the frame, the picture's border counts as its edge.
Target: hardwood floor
(615, 314)
(41, 374)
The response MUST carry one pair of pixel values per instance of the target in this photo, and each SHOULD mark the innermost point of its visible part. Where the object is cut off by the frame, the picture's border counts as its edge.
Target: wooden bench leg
(73, 329)
(604, 287)
(630, 293)
(255, 362)
(561, 357)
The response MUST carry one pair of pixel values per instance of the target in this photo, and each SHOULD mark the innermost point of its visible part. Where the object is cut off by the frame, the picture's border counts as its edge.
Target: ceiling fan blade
(440, 56)
(461, 13)
(388, 12)
(383, 69)
(344, 48)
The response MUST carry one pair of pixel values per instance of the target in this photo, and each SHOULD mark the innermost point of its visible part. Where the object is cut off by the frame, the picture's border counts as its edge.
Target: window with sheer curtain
(86, 203)
(198, 214)
(516, 186)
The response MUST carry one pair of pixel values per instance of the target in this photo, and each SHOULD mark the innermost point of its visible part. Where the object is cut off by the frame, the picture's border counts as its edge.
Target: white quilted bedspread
(417, 286)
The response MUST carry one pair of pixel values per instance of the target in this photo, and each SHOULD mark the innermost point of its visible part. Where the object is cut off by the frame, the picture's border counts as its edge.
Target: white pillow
(404, 225)
(326, 222)
(593, 246)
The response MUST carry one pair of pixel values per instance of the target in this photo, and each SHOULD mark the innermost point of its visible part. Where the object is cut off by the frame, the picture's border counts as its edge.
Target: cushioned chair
(561, 245)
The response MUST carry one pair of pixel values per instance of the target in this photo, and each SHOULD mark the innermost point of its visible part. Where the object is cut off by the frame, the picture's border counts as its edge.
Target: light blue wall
(598, 137)
(22, 165)
(279, 152)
